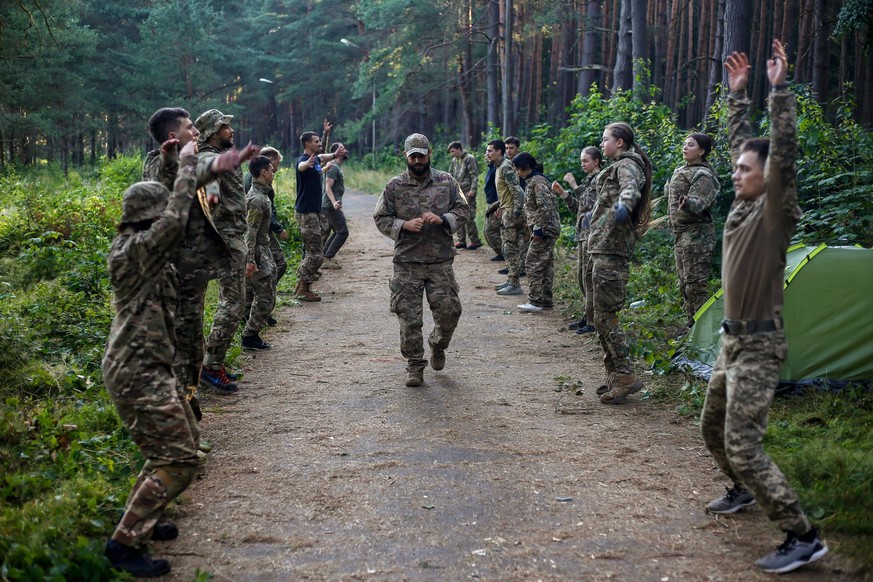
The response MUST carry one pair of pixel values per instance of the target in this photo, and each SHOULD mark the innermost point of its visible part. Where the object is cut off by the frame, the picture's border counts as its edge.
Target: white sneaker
(530, 307)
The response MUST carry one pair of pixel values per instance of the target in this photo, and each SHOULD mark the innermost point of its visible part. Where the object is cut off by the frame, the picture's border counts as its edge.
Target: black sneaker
(271, 321)
(585, 329)
(793, 553)
(577, 324)
(230, 375)
(134, 561)
(254, 342)
(164, 532)
(503, 272)
(497, 258)
(217, 379)
(735, 498)
(522, 274)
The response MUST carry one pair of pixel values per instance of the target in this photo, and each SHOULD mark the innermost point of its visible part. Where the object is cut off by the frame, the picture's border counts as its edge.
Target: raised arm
(739, 125)
(782, 189)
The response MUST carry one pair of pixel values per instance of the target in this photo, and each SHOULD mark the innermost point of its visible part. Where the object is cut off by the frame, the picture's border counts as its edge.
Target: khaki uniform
(580, 204)
(756, 237)
(512, 226)
(138, 362)
(541, 213)
(466, 172)
(610, 247)
(422, 260)
(693, 231)
(258, 219)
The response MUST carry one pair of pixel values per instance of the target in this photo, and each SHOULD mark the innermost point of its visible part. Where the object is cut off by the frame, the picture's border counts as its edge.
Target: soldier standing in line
(420, 209)
(492, 223)
(513, 147)
(332, 209)
(581, 204)
(757, 232)
(691, 192)
(259, 259)
(465, 170)
(307, 212)
(511, 215)
(541, 214)
(203, 253)
(621, 207)
(138, 362)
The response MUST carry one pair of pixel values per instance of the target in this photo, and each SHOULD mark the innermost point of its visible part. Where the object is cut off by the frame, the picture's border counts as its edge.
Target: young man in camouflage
(492, 223)
(757, 232)
(138, 362)
(465, 170)
(217, 137)
(419, 210)
(203, 253)
(332, 209)
(259, 259)
(510, 212)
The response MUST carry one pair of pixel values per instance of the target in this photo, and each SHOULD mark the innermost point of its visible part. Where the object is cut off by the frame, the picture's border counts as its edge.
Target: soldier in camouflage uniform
(510, 211)
(541, 214)
(419, 210)
(492, 223)
(465, 170)
(138, 362)
(259, 259)
(757, 233)
(691, 192)
(203, 253)
(580, 204)
(620, 210)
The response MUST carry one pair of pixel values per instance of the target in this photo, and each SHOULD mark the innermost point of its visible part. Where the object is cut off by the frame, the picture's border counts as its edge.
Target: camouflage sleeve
(254, 219)
(589, 194)
(275, 225)
(511, 179)
(782, 177)
(546, 206)
(458, 208)
(472, 174)
(204, 168)
(739, 125)
(702, 192)
(629, 177)
(161, 168)
(572, 201)
(385, 214)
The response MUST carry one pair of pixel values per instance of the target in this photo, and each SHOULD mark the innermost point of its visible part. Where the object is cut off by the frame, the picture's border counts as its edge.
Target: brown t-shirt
(757, 232)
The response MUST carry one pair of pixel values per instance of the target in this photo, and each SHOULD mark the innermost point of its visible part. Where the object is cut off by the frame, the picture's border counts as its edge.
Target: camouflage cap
(144, 201)
(210, 122)
(416, 144)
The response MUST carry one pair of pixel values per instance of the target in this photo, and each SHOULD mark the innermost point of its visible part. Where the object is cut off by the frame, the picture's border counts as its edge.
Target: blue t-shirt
(490, 187)
(308, 187)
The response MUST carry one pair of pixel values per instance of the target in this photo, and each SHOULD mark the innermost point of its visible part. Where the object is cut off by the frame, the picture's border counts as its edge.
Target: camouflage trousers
(492, 231)
(512, 231)
(693, 252)
(540, 267)
(583, 278)
(157, 422)
(609, 276)
(189, 341)
(437, 282)
(309, 224)
(281, 265)
(337, 232)
(467, 230)
(734, 422)
(263, 297)
(231, 306)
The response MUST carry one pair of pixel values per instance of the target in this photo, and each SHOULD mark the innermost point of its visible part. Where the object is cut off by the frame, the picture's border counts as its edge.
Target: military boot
(305, 293)
(135, 561)
(437, 358)
(620, 387)
(415, 378)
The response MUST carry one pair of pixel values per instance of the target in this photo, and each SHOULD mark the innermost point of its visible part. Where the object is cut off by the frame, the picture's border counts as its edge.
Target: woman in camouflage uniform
(619, 214)
(691, 192)
(544, 222)
(580, 204)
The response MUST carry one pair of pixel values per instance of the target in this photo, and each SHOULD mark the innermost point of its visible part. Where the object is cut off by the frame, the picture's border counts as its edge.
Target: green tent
(828, 316)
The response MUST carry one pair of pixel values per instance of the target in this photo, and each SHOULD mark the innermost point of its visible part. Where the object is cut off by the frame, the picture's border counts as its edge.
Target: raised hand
(777, 67)
(188, 154)
(737, 66)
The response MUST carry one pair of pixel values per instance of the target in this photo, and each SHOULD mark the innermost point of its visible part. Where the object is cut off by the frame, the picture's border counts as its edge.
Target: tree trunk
(465, 67)
(821, 52)
(508, 125)
(491, 71)
(737, 32)
(640, 46)
(670, 81)
(762, 51)
(589, 74)
(801, 66)
(715, 73)
(789, 15)
(623, 72)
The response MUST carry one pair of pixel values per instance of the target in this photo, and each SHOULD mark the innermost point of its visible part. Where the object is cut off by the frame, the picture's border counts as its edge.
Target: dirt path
(327, 468)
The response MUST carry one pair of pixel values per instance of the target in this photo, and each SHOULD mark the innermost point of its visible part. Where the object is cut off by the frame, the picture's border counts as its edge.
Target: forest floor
(326, 467)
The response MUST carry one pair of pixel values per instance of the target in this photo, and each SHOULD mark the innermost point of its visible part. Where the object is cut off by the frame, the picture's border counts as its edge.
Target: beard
(418, 170)
(227, 143)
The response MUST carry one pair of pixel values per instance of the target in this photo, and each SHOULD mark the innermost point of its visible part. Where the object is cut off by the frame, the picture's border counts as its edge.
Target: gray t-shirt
(335, 173)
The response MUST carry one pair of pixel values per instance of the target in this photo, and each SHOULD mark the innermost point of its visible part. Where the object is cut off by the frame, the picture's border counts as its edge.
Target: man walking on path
(757, 232)
(307, 211)
(420, 209)
(465, 170)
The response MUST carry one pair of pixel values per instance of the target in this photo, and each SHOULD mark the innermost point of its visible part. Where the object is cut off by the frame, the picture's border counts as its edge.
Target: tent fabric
(828, 315)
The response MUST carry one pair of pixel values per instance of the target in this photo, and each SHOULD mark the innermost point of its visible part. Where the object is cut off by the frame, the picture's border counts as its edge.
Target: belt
(746, 327)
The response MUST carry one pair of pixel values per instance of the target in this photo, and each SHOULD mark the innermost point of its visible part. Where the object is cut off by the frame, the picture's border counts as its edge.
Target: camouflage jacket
(142, 341)
(230, 214)
(699, 184)
(258, 216)
(509, 191)
(203, 253)
(405, 198)
(581, 203)
(620, 182)
(757, 231)
(541, 206)
(466, 172)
